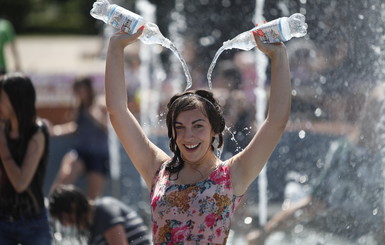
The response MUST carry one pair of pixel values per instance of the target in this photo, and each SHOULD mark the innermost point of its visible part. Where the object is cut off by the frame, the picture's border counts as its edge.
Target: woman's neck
(205, 165)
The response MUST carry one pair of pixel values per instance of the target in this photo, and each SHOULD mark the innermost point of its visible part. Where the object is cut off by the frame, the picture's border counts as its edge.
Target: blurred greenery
(50, 16)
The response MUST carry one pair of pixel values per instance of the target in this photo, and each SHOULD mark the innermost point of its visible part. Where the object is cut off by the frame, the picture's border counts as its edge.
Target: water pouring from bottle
(278, 30)
(130, 22)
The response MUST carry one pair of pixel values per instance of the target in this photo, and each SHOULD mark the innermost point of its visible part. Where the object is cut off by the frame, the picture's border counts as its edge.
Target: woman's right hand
(123, 39)
(270, 49)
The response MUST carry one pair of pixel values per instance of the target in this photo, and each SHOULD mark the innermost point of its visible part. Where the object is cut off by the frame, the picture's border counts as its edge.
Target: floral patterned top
(197, 213)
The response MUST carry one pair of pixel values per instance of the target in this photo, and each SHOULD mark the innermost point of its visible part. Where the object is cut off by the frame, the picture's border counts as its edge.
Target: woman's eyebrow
(198, 120)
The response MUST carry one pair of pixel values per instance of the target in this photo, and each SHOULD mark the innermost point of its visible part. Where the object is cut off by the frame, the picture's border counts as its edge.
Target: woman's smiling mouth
(191, 147)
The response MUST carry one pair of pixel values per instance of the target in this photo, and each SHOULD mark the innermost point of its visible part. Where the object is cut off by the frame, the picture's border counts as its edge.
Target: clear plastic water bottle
(127, 21)
(278, 30)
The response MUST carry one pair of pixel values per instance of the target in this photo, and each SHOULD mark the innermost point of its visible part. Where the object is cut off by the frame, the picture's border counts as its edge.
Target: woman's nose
(189, 133)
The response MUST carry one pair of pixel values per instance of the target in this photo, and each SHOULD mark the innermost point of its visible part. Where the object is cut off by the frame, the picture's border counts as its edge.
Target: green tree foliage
(50, 16)
(15, 11)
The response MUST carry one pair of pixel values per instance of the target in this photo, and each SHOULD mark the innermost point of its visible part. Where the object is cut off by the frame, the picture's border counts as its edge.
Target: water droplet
(248, 220)
(283, 149)
(301, 134)
(303, 179)
(298, 228)
(318, 112)
(322, 79)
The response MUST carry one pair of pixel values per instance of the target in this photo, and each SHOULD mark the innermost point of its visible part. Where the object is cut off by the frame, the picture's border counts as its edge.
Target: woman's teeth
(191, 146)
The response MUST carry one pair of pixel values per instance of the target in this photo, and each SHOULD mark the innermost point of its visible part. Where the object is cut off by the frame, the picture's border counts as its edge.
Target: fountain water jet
(261, 65)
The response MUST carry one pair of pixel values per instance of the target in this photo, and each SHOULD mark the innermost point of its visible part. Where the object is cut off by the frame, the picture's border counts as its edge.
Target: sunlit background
(337, 72)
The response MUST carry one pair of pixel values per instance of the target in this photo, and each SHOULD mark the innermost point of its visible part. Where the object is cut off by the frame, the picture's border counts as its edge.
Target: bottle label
(123, 19)
(271, 32)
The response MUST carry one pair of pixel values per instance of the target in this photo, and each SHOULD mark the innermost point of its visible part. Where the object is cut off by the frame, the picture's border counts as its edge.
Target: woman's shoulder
(41, 131)
(43, 125)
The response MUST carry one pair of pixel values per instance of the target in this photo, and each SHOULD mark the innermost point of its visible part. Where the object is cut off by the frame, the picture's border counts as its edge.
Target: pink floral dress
(197, 213)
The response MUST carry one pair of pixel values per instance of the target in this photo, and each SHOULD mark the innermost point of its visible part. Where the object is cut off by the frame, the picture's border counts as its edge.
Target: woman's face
(194, 135)
(6, 109)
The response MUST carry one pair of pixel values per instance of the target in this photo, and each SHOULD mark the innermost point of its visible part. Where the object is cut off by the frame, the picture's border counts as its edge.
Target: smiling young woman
(193, 193)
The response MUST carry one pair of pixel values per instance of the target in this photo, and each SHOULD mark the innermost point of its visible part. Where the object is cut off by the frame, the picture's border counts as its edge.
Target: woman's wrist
(115, 46)
(278, 52)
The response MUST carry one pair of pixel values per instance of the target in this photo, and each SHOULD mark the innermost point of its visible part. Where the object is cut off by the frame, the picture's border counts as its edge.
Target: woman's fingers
(268, 48)
(125, 39)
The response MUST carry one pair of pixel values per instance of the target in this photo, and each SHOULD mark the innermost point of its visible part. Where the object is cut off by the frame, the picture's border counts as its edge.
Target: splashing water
(184, 66)
(152, 35)
(244, 41)
(261, 67)
(176, 28)
(212, 65)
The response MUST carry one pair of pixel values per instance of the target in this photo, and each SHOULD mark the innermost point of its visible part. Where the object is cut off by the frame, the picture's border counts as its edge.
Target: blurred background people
(90, 154)
(105, 220)
(24, 142)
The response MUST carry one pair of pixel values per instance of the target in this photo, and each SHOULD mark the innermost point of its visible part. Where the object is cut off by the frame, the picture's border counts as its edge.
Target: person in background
(90, 152)
(347, 198)
(193, 193)
(24, 142)
(105, 220)
(7, 35)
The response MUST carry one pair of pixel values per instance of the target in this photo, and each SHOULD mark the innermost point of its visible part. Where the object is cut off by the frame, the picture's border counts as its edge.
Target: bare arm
(246, 165)
(145, 156)
(98, 113)
(16, 56)
(64, 129)
(21, 177)
(306, 209)
(302, 210)
(116, 235)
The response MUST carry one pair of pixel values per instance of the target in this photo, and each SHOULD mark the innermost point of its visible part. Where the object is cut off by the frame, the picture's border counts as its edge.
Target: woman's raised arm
(145, 156)
(246, 165)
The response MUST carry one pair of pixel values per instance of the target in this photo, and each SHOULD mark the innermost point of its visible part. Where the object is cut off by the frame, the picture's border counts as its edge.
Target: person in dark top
(105, 220)
(90, 152)
(23, 158)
